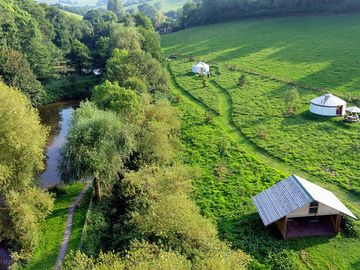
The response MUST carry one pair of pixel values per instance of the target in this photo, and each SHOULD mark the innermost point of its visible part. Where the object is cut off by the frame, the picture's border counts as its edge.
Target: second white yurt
(201, 68)
(328, 105)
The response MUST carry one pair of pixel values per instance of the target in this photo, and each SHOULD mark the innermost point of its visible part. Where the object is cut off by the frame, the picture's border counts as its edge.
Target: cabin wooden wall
(323, 210)
(282, 226)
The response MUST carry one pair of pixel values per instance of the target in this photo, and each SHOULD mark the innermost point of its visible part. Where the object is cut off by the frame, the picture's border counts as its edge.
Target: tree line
(210, 11)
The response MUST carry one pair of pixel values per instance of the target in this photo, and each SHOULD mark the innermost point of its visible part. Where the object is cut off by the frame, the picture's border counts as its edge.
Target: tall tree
(79, 56)
(16, 71)
(116, 6)
(98, 145)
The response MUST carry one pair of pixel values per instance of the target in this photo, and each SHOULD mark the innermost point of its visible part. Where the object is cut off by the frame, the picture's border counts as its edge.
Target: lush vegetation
(260, 87)
(34, 40)
(126, 139)
(23, 206)
(52, 229)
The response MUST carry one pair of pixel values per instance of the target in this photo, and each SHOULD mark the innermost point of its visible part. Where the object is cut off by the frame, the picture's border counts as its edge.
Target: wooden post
(337, 223)
(282, 226)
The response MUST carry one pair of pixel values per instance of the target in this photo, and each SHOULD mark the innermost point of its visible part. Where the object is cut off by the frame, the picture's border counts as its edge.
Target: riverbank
(52, 230)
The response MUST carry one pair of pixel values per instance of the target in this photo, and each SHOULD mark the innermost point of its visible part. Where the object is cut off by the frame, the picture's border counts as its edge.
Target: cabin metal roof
(291, 194)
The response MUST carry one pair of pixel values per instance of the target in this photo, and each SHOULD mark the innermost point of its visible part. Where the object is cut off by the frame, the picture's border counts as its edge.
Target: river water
(56, 116)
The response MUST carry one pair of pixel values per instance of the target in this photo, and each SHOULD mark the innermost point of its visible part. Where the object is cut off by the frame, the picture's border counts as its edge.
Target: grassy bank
(52, 230)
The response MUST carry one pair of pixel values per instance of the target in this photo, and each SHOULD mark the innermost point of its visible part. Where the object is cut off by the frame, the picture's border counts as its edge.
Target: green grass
(309, 52)
(52, 230)
(258, 108)
(321, 51)
(230, 176)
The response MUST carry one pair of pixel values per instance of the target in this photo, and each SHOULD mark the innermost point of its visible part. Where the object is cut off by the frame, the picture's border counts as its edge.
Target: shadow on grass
(250, 235)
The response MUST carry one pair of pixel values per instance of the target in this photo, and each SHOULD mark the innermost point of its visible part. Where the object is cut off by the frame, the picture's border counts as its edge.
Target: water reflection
(58, 117)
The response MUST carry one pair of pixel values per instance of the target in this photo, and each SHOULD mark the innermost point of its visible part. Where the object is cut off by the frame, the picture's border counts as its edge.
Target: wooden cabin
(300, 208)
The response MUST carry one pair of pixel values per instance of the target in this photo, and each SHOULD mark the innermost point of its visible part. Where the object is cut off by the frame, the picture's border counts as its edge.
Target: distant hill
(166, 5)
(79, 3)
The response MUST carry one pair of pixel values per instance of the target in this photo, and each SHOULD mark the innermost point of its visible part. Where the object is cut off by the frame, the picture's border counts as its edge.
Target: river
(56, 116)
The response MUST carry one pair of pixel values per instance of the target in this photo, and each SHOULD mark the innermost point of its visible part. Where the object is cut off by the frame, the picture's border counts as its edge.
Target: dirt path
(224, 120)
(71, 211)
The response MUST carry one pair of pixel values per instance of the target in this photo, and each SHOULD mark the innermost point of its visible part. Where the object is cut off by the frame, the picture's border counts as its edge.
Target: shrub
(285, 260)
(242, 80)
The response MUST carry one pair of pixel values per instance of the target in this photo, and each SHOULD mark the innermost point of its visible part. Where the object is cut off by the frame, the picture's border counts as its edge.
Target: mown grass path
(224, 119)
(69, 223)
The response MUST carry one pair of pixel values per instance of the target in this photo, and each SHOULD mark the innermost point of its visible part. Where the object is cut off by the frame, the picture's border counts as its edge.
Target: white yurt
(328, 105)
(201, 68)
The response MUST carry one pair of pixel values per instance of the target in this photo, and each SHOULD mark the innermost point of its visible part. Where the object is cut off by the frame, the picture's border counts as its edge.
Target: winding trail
(224, 120)
(71, 211)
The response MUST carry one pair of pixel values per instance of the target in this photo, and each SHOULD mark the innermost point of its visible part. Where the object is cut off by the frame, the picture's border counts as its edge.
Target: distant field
(314, 54)
(321, 51)
(166, 5)
(79, 3)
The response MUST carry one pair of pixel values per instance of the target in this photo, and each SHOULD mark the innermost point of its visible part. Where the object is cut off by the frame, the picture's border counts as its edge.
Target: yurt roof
(328, 100)
(203, 64)
(291, 194)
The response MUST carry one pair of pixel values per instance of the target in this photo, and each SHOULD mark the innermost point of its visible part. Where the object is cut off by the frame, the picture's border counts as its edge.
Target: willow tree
(98, 145)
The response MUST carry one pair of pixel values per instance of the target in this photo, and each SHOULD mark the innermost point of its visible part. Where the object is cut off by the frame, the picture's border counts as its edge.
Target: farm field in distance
(313, 54)
(166, 5)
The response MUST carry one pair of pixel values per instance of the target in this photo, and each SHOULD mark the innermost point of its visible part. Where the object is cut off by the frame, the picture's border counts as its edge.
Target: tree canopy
(22, 205)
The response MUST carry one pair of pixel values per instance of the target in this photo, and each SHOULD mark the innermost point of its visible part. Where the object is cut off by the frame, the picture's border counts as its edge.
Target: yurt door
(201, 71)
(339, 110)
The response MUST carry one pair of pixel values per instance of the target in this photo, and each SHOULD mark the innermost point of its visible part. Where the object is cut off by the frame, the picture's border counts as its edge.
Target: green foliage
(51, 230)
(285, 260)
(141, 256)
(118, 99)
(22, 140)
(223, 10)
(136, 84)
(98, 145)
(22, 207)
(292, 99)
(79, 56)
(21, 215)
(15, 71)
(116, 7)
(157, 137)
(137, 64)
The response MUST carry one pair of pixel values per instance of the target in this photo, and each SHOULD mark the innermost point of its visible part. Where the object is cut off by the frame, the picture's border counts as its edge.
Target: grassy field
(79, 3)
(326, 148)
(230, 177)
(52, 230)
(310, 53)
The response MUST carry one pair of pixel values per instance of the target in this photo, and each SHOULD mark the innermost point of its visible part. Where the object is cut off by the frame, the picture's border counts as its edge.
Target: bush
(348, 227)
(285, 260)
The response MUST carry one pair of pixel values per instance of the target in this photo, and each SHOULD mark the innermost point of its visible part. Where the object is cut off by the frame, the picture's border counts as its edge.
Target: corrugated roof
(324, 196)
(291, 194)
(328, 100)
